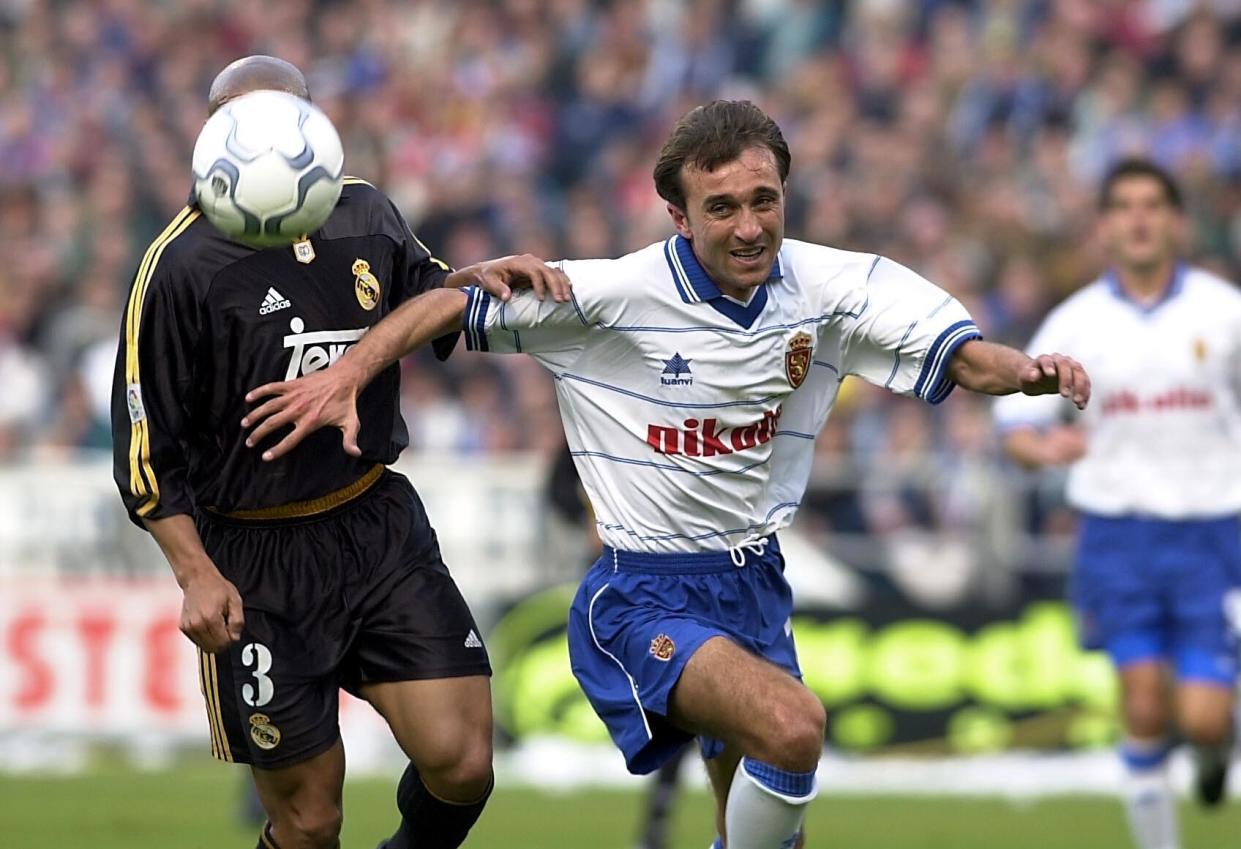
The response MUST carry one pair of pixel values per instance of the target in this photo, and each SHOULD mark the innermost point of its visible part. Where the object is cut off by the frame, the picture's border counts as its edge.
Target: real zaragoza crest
(797, 358)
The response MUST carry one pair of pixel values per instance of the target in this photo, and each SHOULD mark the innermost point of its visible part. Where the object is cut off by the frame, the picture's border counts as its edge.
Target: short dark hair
(1138, 167)
(708, 136)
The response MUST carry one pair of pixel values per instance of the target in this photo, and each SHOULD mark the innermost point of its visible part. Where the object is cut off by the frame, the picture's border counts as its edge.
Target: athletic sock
(266, 839)
(428, 822)
(1149, 801)
(766, 806)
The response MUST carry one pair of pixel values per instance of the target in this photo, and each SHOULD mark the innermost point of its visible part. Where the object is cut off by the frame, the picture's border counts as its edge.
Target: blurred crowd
(964, 138)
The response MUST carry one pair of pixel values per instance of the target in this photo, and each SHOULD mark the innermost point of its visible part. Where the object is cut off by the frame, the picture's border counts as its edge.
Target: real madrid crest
(365, 285)
(797, 358)
(1200, 350)
(265, 735)
(303, 251)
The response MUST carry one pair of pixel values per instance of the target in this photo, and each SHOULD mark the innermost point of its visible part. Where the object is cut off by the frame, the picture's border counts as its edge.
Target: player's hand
(1052, 374)
(327, 397)
(498, 277)
(211, 613)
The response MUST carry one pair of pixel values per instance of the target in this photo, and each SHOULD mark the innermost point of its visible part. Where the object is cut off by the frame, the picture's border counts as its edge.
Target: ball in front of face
(268, 168)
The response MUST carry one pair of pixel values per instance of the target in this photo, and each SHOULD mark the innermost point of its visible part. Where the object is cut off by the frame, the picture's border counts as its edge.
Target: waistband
(304, 509)
(748, 552)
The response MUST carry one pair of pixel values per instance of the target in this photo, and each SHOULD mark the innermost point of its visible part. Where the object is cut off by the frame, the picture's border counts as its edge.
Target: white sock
(766, 806)
(1149, 801)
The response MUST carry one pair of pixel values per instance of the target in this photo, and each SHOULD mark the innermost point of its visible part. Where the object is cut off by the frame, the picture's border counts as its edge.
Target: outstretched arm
(999, 370)
(329, 397)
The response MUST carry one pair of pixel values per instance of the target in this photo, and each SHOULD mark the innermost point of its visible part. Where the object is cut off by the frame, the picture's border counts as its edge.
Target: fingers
(492, 281)
(349, 437)
(562, 288)
(1081, 385)
(290, 441)
(267, 389)
(234, 617)
(268, 425)
(208, 631)
(264, 410)
(1074, 383)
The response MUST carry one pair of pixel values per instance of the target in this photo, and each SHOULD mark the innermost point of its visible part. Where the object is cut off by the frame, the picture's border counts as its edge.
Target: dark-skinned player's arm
(329, 397)
(999, 370)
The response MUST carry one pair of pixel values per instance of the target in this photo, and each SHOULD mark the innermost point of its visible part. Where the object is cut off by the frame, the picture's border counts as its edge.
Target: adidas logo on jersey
(274, 301)
(472, 641)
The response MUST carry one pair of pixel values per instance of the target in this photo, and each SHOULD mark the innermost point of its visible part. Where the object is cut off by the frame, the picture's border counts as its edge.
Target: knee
(1146, 715)
(461, 771)
(310, 827)
(795, 738)
(1206, 729)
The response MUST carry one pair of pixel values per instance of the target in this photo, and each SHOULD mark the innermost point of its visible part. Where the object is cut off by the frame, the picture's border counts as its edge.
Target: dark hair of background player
(1137, 167)
(708, 136)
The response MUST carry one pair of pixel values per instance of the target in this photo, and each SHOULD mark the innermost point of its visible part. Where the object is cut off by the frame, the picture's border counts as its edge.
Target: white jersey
(1164, 421)
(691, 417)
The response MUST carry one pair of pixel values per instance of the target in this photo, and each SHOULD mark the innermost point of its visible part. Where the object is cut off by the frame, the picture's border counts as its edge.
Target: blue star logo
(677, 365)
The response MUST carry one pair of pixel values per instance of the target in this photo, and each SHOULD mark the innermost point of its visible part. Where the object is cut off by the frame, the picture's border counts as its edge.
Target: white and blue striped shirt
(691, 416)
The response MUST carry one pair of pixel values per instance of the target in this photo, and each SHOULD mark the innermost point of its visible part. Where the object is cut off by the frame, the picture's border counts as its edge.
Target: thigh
(306, 794)
(727, 693)
(434, 720)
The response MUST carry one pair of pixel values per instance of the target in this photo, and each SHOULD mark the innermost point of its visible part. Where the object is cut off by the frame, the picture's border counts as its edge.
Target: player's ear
(680, 220)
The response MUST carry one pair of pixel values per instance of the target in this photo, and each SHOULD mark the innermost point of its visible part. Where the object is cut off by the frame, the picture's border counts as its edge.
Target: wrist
(188, 570)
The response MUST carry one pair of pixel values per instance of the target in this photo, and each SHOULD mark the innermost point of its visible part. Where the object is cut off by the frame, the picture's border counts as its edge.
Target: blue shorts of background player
(1158, 589)
(638, 619)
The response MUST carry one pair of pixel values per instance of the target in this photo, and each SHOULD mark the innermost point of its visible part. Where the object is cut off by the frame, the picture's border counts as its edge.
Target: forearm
(408, 328)
(183, 548)
(988, 368)
(1025, 446)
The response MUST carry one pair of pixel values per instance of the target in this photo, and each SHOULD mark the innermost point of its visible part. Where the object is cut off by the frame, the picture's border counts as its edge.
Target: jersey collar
(694, 285)
(1175, 284)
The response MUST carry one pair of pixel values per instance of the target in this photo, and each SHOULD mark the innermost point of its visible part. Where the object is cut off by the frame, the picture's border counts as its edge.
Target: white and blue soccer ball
(268, 168)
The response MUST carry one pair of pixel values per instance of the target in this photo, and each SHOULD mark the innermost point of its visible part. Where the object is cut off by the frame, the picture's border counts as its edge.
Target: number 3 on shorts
(258, 656)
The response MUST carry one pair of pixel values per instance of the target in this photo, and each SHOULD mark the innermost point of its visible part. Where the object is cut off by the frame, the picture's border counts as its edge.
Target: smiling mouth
(748, 253)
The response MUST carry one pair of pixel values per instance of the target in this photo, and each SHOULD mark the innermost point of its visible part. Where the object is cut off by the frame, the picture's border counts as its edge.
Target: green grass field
(194, 808)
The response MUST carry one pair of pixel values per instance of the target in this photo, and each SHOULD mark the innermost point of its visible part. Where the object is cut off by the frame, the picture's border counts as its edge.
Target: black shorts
(351, 596)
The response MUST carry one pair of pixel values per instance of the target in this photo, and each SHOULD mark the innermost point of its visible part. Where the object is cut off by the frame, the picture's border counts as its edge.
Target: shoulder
(1083, 306)
(813, 263)
(644, 271)
(1212, 290)
(187, 251)
(363, 210)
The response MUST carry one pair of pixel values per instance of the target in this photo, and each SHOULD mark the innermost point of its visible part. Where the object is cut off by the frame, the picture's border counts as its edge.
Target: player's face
(1140, 227)
(734, 217)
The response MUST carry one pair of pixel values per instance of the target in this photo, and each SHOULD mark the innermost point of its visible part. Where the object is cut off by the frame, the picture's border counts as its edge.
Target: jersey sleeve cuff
(934, 384)
(477, 303)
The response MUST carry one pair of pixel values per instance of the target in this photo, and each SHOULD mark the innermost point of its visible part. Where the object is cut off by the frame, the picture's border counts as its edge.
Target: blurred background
(964, 138)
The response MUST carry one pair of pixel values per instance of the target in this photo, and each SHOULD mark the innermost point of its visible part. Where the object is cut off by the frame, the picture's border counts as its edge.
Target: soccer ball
(267, 168)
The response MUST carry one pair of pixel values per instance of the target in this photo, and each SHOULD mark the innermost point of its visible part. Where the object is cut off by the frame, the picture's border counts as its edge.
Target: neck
(737, 293)
(1146, 284)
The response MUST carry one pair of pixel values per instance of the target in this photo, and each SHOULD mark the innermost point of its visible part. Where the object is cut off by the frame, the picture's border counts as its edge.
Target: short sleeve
(554, 333)
(905, 334)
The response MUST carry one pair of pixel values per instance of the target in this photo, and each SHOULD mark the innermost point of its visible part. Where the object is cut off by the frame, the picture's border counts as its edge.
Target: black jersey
(209, 319)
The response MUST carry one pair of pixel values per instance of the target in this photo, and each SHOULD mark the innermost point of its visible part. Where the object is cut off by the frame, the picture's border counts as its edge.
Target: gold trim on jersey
(314, 506)
(209, 682)
(142, 480)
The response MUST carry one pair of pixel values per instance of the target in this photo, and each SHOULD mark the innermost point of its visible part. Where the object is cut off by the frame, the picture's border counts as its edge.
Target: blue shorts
(1149, 589)
(639, 618)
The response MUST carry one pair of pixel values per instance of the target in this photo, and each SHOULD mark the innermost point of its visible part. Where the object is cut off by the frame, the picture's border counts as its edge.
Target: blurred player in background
(320, 571)
(692, 377)
(1156, 474)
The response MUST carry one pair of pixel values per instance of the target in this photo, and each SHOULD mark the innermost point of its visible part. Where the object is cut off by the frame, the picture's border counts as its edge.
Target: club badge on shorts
(365, 285)
(662, 647)
(265, 735)
(797, 358)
